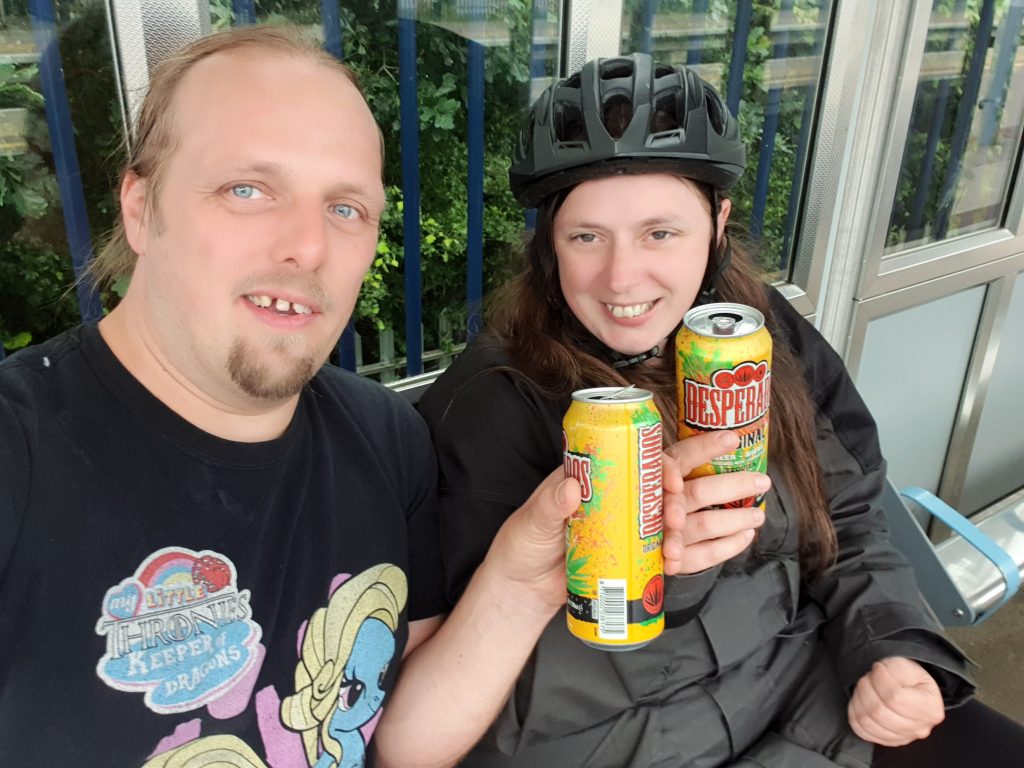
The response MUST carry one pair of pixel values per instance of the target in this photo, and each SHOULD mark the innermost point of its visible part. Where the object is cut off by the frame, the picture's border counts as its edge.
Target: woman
(803, 648)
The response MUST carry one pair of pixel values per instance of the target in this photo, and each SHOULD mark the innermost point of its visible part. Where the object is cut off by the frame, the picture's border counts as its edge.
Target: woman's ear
(724, 208)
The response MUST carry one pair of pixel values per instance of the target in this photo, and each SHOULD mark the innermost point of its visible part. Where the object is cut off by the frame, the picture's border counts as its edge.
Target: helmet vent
(568, 122)
(665, 116)
(716, 112)
(663, 70)
(615, 70)
(618, 112)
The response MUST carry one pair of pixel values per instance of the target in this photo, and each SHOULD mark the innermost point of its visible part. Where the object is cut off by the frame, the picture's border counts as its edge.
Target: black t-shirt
(168, 595)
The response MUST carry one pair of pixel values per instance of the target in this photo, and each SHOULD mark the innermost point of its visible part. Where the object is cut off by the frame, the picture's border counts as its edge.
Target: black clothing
(758, 667)
(971, 735)
(159, 584)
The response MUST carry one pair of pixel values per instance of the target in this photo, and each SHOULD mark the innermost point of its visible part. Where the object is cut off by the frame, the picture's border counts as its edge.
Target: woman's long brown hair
(548, 344)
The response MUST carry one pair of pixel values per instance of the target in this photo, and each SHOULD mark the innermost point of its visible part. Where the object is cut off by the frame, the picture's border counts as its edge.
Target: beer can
(612, 445)
(723, 377)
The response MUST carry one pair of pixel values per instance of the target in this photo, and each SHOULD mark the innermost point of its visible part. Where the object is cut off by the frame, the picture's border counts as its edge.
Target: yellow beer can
(612, 445)
(723, 378)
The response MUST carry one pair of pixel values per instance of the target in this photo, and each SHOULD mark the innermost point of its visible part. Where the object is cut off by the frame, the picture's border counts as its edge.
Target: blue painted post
(915, 220)
(330, 17)
(331, 20)
(1006, 49)
(798, 174)
(65, 156)
(695, 46)
(475, 182)
(410, 127)
(964, 117)
(738, 59)
(244, 12)
(537, 60)
(646, 26)
(771, 128)
(923, 188)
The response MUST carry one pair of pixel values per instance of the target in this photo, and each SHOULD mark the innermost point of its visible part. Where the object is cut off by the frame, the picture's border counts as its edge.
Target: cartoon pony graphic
(347, 649)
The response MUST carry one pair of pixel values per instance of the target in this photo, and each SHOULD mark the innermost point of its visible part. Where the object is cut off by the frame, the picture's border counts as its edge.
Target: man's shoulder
(368, 403)
(30, 373)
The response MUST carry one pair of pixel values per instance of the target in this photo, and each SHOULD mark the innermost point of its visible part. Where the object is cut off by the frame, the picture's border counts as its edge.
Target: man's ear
(133, 211)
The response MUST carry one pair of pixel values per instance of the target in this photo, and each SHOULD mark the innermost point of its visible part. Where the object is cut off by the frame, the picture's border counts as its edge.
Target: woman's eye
(246, 192)
(585, 237)
(346, 212)
(661, 234)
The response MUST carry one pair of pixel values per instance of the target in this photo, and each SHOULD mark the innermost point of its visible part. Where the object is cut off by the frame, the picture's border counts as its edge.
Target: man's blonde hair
(154, 139)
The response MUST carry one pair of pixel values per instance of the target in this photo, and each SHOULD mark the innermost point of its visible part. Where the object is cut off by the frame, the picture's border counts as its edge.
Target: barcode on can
(611, 609)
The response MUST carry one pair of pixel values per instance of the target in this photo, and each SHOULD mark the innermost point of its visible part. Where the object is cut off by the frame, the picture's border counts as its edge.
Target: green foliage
(35, 300)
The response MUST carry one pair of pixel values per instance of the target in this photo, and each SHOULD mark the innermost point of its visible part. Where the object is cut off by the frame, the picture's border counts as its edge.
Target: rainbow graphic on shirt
(178, 630)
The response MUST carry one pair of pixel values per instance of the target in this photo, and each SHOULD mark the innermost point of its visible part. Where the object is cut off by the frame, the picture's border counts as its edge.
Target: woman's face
(632, 251)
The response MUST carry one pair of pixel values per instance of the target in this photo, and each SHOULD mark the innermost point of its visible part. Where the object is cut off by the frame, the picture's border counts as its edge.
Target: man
(212, 548)
(206, 546)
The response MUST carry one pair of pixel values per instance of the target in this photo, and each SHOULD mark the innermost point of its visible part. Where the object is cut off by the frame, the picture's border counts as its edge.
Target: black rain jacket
(755, 667)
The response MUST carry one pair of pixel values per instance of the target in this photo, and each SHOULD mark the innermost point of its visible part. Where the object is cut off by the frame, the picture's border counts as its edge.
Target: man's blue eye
(346, 211)
(244, 191)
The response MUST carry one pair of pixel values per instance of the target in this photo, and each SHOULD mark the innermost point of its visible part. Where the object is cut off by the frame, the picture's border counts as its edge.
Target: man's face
(265, 224)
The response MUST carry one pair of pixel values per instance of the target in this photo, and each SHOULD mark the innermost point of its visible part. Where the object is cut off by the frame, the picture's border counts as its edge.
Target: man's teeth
(629, 310)
(280, 305)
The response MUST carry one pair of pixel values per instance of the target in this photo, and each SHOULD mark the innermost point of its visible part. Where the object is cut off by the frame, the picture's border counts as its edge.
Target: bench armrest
(973, 536)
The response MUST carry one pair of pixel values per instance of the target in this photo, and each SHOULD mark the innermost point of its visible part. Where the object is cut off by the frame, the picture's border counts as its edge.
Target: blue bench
(969, 576)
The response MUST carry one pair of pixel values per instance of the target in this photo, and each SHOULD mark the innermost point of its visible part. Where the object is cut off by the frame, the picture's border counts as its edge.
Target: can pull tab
(624, 392)
(724, 325)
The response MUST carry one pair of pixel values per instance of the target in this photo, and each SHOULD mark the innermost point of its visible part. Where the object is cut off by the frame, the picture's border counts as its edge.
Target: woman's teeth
(629, 310)
(282, 306)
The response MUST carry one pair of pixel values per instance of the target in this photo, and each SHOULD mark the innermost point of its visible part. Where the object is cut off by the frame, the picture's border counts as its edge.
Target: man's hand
(895, 703)
(697, 538)
(530, 546)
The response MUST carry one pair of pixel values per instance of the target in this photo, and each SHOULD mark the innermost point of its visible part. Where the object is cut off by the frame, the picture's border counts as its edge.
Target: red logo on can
(650, 523)
(735, 397)
(578, 465)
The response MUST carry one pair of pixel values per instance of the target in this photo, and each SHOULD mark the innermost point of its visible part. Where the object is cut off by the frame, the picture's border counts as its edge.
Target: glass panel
(60, 131)
(765, 57)
(996, 467)
(478, 65)
(965, 128)
(911, 375)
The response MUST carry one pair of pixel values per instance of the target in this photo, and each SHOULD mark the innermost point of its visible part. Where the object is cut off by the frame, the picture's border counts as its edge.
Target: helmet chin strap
(629, 362)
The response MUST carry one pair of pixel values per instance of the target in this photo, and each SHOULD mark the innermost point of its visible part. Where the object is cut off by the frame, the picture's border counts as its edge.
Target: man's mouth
(279, 306)
(630, 310)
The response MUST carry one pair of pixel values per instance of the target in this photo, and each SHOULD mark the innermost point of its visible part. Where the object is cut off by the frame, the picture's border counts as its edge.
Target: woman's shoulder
(483, 378)
(821, 363)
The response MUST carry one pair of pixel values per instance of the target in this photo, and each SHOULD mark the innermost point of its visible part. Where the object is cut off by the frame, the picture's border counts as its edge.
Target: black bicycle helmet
(673, 119)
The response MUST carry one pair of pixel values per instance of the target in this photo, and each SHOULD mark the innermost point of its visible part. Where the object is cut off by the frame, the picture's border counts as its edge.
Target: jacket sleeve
(870, 598)
(496, 439)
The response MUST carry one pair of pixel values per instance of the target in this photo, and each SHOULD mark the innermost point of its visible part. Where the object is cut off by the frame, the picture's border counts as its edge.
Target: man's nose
(304, 238)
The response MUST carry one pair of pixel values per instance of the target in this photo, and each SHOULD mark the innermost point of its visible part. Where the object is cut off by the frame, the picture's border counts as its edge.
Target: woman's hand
(895, 703)
(697, 538)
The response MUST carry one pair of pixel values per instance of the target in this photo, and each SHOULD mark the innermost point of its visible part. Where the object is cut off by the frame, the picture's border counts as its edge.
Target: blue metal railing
(964, 118)
(410, 141)
(330, 17)
(244, 12)
(65, 155)
(475, 180)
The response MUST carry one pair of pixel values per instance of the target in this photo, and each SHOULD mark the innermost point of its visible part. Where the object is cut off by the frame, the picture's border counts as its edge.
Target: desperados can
(612, 445)
(723, 378)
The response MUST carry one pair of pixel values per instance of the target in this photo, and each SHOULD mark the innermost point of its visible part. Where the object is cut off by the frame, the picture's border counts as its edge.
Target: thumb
(552, 502)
